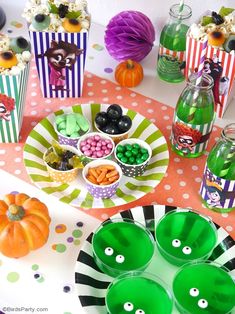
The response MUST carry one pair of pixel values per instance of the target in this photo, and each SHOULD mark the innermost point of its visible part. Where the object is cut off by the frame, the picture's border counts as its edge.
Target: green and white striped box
(12, 90)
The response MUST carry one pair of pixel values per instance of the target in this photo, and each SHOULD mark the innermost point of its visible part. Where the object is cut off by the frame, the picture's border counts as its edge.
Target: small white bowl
(101, 191)
(87, 135)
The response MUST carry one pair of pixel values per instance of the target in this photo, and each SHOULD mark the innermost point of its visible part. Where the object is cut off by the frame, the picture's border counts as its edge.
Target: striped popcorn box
(219, 64)
(12, 102)
(60, 60)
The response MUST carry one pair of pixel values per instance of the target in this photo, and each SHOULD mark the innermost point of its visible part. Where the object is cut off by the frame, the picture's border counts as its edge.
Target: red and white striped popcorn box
(219, 64)
(60, 60)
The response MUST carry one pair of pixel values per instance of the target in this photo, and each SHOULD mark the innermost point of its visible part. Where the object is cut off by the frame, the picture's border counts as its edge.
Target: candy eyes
(202, 303)
(187, 250)
(139, 312)
(176, 243)
(194, 292)
(120, 259)
(108, 251)
(128, 307)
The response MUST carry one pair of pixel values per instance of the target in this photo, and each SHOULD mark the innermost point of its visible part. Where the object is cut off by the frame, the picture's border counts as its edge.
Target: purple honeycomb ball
(129, 35)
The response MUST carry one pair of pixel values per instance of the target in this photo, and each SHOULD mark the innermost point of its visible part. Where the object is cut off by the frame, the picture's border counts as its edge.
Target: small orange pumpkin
(24, 224)
(129, 73)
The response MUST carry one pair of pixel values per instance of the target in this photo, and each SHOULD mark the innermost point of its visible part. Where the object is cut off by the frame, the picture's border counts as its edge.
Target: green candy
(71, 125)
(82, 122)
(128, 147)
(144, 151)
(59, 119)
(63, 132)
(128, 153)
(136, 146)
(139, 161)
(124, 160)
(138, 156)
(119, 155)
(120, 148)
(145, 157)
(135, 151)
(61, 125)
(131, 160)
(74, 135)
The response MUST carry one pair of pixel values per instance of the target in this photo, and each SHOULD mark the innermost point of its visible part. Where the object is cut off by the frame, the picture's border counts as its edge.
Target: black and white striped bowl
(92, 283)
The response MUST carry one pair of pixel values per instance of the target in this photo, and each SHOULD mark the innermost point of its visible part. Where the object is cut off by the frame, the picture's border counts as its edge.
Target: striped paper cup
(12, 102)
(219, 64)
(62, 79)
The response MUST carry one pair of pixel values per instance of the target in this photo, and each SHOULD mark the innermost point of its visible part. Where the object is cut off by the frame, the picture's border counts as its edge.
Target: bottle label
(171, 59)
(190, 138)
(217, 192)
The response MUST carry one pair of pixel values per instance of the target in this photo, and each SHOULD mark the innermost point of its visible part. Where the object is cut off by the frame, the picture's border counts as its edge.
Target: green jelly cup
(183, 235)
(204, 288)
(122, 245)
(139, 293)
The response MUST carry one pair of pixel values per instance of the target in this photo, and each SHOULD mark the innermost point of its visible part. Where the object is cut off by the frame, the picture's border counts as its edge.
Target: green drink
(122, 245)
(183, 236)
(171, 56)
(218, 184)
(139, 293)
(194, 118)
(204, 288)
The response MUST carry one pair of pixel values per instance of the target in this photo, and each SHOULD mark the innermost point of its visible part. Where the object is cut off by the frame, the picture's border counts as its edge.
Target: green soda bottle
(194, 117)
(218, 184)
(171, 55)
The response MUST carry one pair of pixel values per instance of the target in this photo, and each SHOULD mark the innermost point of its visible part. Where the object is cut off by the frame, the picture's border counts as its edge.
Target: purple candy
(107, 152)
(107, 141)
(87, 153)
(83, 148)
(103, 143)
(99, 144)
(93, 143)
(94, 155)
(104, 148)
(98, 148)
(92, 148)
(97, 138)
(110, 145)
(82, 143)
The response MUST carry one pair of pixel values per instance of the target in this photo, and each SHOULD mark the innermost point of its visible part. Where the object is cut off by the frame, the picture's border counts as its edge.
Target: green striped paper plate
(130, 189)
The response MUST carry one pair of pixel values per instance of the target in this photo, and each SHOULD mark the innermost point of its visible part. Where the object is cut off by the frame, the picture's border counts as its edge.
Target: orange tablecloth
(182, 181)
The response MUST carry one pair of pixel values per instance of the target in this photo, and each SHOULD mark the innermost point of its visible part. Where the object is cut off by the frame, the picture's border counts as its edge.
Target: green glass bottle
(171, 55)
(218, 184)
(194, 117)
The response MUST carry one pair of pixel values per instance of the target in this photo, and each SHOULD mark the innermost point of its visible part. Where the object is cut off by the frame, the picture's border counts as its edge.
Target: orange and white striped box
(219, 64)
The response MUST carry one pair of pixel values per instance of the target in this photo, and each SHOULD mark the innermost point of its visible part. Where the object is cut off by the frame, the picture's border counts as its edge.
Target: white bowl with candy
(95, 146)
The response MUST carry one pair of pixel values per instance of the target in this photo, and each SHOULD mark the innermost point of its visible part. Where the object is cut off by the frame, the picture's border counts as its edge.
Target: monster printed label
(190, 138)
(217, 192)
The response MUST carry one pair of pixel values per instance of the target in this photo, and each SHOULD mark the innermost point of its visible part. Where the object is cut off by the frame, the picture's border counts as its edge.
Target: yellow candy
(8, 60)
(71, 25)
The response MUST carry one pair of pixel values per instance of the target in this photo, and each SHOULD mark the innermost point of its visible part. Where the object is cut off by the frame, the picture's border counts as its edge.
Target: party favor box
(219, 64)
(12, 103)
(68, 52)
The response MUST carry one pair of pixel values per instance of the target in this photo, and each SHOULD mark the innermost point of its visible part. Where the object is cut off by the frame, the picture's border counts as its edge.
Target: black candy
(114, 111)
(124, 124)
(110, 129)
(101, 119)
(39, 18)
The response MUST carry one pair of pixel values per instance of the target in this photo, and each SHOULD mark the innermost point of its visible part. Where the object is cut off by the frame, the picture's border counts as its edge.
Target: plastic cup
(183, 236)
(122, 245)
(140, 293)
(204, 288)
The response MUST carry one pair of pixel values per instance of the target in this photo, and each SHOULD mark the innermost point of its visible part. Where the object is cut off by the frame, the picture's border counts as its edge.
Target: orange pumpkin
(129, 73)
(24, 224)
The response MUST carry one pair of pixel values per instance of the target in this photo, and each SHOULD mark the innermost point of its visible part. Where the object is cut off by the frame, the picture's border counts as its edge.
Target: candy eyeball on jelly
(120, 259)
(108, 251)
(176, 243)
(139, 311)
(19, 44)
(128, 306)
(187, 250)
(194, 292)
(40, 22)
(202, 303)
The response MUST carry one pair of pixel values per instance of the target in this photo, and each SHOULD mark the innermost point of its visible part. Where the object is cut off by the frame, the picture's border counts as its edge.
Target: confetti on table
(16, 24)
(98, 47)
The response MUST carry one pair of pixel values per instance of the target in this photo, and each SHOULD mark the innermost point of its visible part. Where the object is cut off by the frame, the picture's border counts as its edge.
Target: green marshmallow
(61, 125)
(71, 125)
(74, 135)
(59, 119)
(63, 132)
(82, 122)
